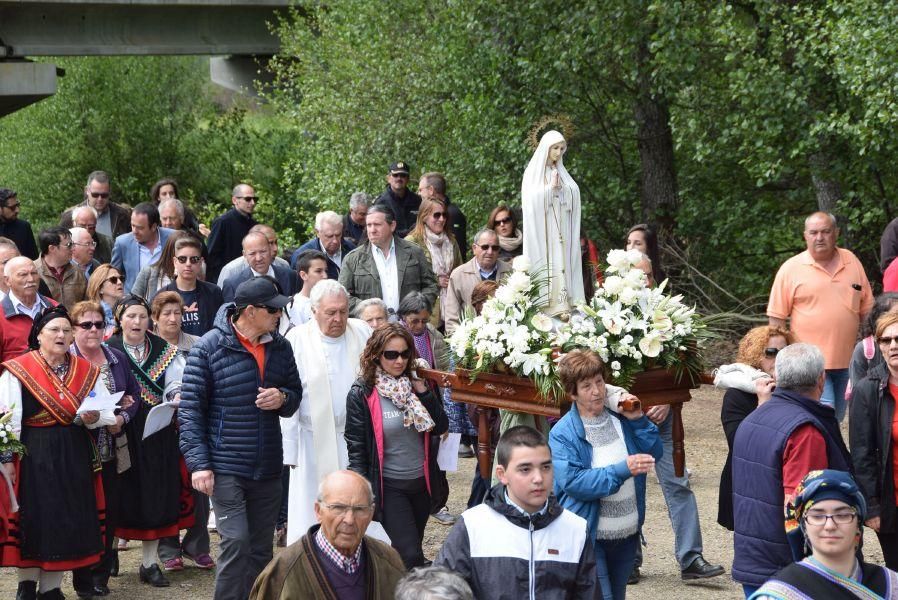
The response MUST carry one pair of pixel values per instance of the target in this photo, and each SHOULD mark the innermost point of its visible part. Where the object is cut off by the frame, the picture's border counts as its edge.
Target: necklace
(138, 352)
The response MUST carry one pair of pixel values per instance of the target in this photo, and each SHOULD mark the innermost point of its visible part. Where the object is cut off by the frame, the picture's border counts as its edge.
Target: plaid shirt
(348, 564)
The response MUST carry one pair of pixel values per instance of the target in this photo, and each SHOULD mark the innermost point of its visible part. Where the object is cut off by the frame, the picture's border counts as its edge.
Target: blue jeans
(834, 391)
(680, 499)
(614, 562)
(748, 590)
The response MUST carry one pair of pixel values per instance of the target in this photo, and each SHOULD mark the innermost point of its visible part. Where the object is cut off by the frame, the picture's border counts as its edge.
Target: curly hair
(752, 346)
(578, 365)
(370, 359)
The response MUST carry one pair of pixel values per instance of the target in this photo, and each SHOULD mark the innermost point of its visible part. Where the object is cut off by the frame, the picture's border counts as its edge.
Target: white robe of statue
(324, 364)
(550, 200)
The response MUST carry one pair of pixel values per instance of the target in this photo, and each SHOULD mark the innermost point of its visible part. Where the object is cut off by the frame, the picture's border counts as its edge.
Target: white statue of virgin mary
(550, 200)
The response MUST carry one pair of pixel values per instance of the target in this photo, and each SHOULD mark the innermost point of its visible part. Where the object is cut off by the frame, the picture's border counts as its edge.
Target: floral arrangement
(511, 333)
(631, 326)
(9, 441)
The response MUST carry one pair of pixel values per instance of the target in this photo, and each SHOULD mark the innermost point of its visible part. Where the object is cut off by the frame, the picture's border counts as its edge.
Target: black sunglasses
(248, 198)
(885, 341)
(88, 325)
(439, 215)
(271, 309)
(99, 195)
(115, 279)
(485, 247)
(504, 221)
(193, 259)
(394, 354)
(771, 352)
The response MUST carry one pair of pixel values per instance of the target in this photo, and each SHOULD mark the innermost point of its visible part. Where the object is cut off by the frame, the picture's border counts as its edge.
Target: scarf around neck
(510, 244)
(441, 253)
(399, 391)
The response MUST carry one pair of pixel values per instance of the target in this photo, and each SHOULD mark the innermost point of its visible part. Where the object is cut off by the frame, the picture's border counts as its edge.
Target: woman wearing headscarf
(550, 200)
(59, 526)
(393, 420)
(111, 441)
(155, 496)
(432, 234)
(825, 524)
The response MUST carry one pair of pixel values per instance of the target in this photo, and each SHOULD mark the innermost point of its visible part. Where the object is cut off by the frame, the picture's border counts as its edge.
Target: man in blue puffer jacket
(240, 377)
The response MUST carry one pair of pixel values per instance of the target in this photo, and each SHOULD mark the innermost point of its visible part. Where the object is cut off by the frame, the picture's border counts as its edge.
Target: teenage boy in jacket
(520, 543)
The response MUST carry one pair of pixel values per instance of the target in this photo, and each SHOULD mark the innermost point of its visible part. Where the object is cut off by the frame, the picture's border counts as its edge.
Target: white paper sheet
(377, 531)
(158, 419)
(102, 401)
(447, 457)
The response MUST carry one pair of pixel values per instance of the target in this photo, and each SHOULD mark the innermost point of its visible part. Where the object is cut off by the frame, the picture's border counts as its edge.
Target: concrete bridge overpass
(235, 32)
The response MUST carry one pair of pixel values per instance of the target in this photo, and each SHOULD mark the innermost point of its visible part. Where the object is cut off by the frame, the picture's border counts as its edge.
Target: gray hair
(179, 206)
(326, 287)
(829, 215)
(433, 583)
(5, 241)
(364, 304)
(98, 176)
(327, 478)
(414, 302)
(383, 209)
(77, 230)
(89, 209)
(359, 199)
(329, 217)
(799, 367)
(481, 232)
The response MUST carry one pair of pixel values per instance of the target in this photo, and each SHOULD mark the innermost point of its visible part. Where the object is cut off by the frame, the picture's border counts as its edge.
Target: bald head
(345, 507)
(820, 236)
(22, 279)
(257, 252)
(341, 480)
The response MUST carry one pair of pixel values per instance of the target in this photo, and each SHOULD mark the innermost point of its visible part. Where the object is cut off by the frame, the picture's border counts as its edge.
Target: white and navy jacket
(507, 555)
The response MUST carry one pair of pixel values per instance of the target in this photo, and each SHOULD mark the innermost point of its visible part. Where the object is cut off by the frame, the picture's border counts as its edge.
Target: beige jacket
(461, 284)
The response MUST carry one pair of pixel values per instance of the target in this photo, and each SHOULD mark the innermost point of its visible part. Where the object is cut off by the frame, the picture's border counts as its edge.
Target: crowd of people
(165, 377)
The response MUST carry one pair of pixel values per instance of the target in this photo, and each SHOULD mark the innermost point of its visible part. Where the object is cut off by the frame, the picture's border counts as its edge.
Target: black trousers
(406, 508)
(889, 544)
(85, 578)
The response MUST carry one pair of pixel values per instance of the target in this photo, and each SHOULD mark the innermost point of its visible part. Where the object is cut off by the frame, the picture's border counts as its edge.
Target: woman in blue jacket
(600, 458)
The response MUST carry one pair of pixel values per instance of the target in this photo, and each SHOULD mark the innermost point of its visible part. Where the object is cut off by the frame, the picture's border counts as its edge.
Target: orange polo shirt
(825, 310)
(257, 350)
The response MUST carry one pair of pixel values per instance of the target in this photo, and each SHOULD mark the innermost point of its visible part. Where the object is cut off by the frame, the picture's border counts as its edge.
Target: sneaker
(444, 517)
(201, 561)
(465, 451)
(173, 564)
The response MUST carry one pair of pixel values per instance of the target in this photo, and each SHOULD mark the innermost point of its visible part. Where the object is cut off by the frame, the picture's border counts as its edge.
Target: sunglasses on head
(88, 325)
(506, 220)
(485, 247)
(271, 309)
(115, 279)
(193, 259)
(394, 354)
(771, 352)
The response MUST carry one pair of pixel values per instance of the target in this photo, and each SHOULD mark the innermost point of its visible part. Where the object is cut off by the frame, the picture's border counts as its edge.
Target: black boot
(54, 594)
(27, 590)
(113, 570)
(153, 575)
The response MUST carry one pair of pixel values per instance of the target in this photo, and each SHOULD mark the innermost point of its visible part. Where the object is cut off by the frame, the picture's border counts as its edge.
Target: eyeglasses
(485, 247)
(771, 352)
(99, 194)
(887, 341)
(193, 259)
(506, 220)
(87, 245)
(271, 309)
(342, 509)
(440, 215)
(394, 354)
(252, 199)
(841, 518)
(68, 244)
(115, 279)
(88, 325)
(13, 206)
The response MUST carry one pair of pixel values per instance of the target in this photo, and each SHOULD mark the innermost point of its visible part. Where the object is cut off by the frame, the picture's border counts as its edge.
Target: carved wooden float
(653, 387)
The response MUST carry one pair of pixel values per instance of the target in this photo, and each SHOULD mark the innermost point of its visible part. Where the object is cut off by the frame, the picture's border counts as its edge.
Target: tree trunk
(658, 175)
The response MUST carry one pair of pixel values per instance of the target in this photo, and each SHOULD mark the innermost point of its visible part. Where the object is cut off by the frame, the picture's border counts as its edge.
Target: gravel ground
(706, 453)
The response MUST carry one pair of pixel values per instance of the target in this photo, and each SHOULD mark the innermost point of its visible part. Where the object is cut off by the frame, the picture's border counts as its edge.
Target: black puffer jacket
(362, 440)
(870, 442)
(221, 427)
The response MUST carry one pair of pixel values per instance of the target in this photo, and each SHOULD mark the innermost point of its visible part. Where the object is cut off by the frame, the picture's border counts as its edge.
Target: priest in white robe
(327, 351)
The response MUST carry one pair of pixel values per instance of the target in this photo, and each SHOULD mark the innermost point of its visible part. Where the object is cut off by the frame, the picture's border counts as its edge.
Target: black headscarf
(123, 303)
(44, 317)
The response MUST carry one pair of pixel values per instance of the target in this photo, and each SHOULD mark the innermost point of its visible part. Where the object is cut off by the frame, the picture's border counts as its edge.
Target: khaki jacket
(72, 289)
(461, 284)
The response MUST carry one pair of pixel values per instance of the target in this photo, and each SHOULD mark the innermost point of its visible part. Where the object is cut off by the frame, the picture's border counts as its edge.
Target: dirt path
(705, 450)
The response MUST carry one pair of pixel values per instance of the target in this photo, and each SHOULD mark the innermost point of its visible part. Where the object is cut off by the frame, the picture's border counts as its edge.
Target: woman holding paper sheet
(59, 526)
(155, 494)
(111, 441)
